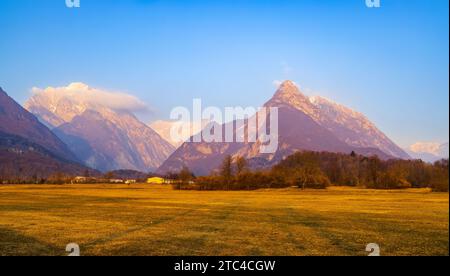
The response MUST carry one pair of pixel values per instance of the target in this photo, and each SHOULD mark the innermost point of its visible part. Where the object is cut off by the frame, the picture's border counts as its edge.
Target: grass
(156, 220)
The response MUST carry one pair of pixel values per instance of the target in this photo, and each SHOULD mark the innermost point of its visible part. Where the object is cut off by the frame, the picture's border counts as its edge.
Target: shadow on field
(153, 223)
(14, 243)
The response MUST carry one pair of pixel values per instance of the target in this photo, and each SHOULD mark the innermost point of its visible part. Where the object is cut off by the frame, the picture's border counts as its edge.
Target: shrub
(312, 178)
(391, 180)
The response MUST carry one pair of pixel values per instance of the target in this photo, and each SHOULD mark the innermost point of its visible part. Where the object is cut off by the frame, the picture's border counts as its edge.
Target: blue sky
(390, 63)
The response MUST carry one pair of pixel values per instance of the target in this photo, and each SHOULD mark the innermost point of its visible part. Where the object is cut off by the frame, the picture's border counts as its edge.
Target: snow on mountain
(443, 150)
(428, 151)
(435, 148)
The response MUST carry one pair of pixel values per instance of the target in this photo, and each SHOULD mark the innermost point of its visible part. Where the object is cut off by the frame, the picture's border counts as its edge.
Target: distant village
(92, 180)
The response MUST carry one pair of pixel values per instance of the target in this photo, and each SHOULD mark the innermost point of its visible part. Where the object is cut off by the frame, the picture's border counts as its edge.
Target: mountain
(429, 151)
(101, 136)
(15, 120)
(349, 126)
(443, 150)
(30, 149)
(128, 174)
(302, 125)
(21, 159)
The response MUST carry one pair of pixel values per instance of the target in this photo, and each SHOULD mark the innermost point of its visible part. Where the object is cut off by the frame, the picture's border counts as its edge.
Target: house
(83, 179)
(130, 181)
(156, 180)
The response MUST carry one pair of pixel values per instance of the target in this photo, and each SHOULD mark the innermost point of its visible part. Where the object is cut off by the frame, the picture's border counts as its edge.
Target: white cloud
(81, 93)
(277, 83)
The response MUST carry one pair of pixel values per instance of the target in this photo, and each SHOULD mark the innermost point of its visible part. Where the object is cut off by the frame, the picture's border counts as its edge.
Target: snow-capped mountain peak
(288, 94)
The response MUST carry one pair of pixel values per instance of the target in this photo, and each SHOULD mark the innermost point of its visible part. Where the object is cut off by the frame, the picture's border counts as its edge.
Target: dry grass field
(156, 220)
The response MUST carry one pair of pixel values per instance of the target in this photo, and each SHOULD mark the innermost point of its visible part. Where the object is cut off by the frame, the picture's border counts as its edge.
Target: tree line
(61, 178)
(318, 170)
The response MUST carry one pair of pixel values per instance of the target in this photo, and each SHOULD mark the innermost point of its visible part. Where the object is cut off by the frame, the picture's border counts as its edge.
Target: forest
(318, 170)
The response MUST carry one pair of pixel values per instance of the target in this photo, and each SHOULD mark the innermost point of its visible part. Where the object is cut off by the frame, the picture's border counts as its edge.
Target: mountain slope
(15, 120)
(21, 159)
(28, 149)
(354, 128)
(122, 142)
(299, 129)
(102, 137)
(351, 127)
(202, 158)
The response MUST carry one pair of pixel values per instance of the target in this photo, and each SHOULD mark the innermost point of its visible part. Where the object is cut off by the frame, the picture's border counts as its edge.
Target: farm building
(156, 180)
